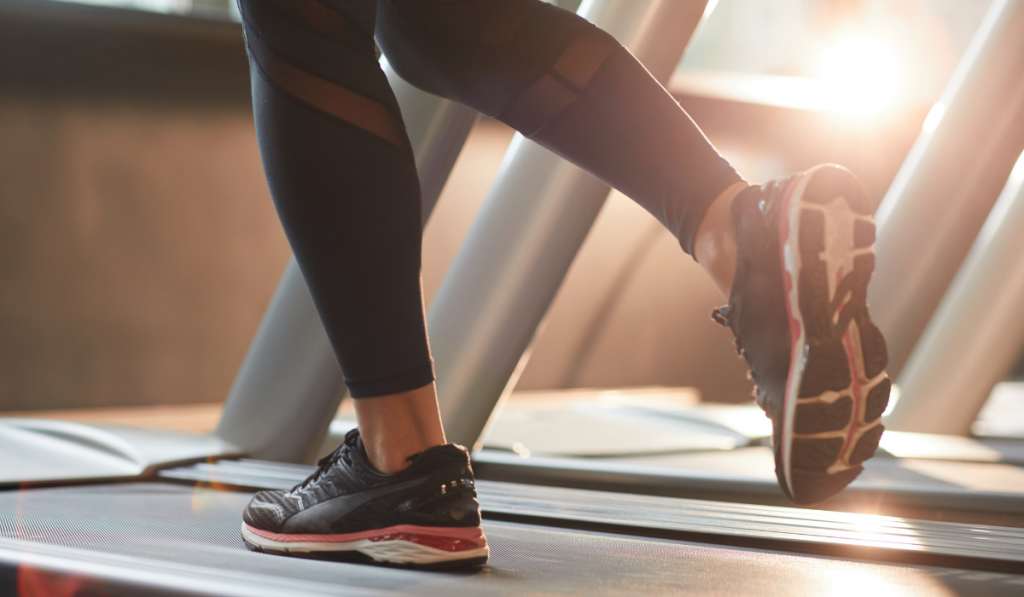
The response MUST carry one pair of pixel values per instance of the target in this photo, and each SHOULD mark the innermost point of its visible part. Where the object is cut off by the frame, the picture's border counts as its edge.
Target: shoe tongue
(355, 442)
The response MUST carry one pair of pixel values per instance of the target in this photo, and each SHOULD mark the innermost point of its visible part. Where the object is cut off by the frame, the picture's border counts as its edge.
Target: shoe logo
(320, 517)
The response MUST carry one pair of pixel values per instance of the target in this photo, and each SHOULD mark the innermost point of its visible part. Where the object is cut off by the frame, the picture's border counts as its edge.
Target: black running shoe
(425, 516)
(799, 315)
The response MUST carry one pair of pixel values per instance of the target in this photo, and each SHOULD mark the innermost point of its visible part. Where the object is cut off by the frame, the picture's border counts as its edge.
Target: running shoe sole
(403, 545)
(836, 388)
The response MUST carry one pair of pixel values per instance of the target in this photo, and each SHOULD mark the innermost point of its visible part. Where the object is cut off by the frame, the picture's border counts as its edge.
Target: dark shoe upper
(756, 312)
(347, 494)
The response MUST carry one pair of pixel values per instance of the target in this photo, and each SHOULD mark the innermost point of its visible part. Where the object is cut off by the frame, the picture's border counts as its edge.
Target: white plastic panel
(44, 450)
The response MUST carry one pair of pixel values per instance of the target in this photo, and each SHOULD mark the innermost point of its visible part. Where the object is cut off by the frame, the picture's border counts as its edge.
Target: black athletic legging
(341, 171)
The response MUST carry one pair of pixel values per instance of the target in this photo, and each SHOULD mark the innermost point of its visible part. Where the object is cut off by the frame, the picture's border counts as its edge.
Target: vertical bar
(529, 229)
(949, 181)
(976, 333)
(289, 386)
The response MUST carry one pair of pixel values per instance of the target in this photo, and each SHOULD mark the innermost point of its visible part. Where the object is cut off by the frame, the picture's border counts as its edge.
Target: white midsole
(792, 262)
(394, 551)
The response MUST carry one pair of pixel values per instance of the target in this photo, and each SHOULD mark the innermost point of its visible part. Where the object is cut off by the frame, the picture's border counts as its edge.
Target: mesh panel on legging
(344, 183)
(567, 85)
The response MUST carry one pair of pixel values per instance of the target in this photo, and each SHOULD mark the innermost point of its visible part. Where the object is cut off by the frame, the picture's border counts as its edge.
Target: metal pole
(529, 229)
(949, 181)
(977, 332)
(289, 386)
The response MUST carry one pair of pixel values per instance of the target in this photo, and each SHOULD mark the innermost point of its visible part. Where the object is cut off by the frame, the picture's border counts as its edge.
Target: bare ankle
(396, 426)
(387, 459)
(715, 244)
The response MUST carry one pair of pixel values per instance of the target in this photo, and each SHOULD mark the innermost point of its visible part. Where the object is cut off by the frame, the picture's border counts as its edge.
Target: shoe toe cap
(266, 511)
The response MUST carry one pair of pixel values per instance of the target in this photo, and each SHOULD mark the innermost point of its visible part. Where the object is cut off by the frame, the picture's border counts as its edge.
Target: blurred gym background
(139, 247)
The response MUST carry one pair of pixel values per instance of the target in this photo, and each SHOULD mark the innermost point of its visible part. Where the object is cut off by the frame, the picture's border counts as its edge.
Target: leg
(396, 426)
(344, 183)
(567, 85)
(714, 245)
(793, 256)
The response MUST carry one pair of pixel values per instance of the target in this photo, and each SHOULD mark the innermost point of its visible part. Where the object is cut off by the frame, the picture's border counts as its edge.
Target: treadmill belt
(156, 538)
(854, 536)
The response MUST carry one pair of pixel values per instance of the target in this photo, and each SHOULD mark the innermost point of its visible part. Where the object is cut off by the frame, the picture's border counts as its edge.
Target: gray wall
(138, 248)
(138, 244)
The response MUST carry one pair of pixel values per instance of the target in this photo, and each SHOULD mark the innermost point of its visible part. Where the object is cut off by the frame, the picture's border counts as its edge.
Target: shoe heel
(830, 181)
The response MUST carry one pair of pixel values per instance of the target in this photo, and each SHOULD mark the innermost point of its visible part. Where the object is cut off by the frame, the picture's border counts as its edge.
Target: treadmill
(108, 510)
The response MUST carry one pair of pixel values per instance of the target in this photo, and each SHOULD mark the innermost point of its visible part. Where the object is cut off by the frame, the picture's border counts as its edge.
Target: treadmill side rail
(949, 181)
(977, 332)
(538, 213)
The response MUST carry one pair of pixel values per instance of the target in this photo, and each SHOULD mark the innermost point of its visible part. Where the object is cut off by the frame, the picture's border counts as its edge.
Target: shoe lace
(721, 317)
(342, 453)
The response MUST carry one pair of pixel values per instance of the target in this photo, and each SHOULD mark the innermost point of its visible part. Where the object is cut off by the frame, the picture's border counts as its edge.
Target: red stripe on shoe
(856, 391)
(446, 538)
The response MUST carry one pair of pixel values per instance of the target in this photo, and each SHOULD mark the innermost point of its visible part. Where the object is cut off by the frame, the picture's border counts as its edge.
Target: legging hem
(698, 205)
(417, 378)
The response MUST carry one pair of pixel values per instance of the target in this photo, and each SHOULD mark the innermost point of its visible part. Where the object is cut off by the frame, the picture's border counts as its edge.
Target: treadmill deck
(161, 538)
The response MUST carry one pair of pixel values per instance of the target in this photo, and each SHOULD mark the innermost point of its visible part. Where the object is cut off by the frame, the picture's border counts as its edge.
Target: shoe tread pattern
(836, 427)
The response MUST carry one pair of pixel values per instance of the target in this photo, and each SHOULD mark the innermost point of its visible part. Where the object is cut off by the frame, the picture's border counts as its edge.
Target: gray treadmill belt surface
(863, 536)
(167, 539)
(886, 484)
